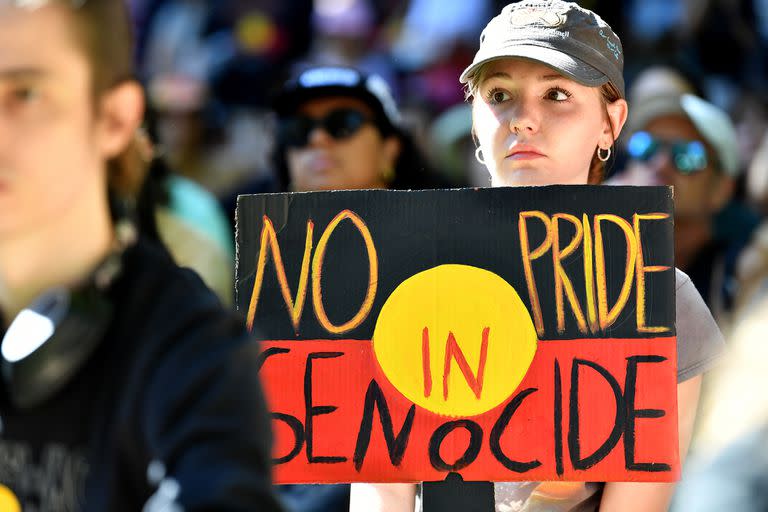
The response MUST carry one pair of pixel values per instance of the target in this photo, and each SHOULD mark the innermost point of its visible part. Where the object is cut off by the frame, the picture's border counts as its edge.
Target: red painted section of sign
(342, 372)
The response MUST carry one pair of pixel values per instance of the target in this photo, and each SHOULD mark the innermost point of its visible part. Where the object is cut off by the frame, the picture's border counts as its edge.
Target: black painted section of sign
(416, 230)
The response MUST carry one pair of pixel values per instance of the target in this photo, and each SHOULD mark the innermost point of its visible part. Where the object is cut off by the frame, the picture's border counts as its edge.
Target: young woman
(125, 385)
(547, 98)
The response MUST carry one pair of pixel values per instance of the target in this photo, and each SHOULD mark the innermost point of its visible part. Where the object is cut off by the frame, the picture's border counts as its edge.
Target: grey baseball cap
(572, 40)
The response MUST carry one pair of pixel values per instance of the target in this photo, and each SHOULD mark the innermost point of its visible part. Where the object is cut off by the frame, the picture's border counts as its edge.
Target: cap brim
(577, 70)
(288, 101)
(651, 108)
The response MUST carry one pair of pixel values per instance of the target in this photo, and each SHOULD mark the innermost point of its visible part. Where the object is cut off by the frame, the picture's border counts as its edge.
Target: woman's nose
(318, 136)
(524, 118)
(663, 166)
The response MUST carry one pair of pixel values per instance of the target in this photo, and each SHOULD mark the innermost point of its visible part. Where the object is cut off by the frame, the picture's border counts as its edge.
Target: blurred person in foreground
(339, 128)
(752, 270)
(684, 141)
(124, 383)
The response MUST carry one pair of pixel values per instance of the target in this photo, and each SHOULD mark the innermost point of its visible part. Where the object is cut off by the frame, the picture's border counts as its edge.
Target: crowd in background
(211, 69)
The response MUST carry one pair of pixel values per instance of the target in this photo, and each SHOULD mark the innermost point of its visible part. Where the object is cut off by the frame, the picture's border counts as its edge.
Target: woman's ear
(617, 116)
(121, 110)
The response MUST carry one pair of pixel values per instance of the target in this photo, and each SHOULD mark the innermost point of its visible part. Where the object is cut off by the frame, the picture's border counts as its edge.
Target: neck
(60, 253)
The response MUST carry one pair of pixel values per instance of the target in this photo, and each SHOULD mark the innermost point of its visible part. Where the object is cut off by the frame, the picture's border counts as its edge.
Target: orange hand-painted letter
(529, 256)
(453, 351)
(642, 269)
(269, 243)
(317, 267)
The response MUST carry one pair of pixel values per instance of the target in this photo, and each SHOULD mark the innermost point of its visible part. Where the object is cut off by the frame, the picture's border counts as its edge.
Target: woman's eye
(558, 94)
(497, 96)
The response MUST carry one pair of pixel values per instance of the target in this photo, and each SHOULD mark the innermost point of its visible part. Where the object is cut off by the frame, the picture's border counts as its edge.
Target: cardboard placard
(502, 334)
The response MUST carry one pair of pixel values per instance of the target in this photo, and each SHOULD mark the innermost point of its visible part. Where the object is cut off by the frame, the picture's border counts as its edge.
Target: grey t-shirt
(699, 345)
(699, 341)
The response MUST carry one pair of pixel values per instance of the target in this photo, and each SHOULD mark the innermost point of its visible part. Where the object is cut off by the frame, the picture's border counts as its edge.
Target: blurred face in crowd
(53, 145)
(536, 127)
(179, 101)
(341, 147)
(698, 193)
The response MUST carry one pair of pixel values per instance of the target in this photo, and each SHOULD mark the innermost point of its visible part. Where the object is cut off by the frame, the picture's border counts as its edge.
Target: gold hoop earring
(388, 175)
(479, 156)
(600, 154)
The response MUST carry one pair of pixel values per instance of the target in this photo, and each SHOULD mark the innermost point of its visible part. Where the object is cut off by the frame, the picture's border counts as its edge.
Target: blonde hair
(608, 94)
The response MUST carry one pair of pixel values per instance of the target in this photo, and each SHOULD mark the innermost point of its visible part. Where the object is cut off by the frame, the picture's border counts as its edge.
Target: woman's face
(359, 159)
(536, 127)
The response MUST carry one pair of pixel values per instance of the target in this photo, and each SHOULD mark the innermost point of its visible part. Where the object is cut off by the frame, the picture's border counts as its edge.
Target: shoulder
(194, 249)
(699, 340)
(200, 209)
(689, 302)
(193, 399)
(176, 323)
(153, 285)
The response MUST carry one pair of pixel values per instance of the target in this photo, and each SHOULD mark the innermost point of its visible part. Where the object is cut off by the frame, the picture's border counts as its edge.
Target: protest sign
(502, 334)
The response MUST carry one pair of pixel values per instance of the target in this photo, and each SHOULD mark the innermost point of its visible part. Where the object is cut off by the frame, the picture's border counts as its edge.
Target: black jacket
(170, 399)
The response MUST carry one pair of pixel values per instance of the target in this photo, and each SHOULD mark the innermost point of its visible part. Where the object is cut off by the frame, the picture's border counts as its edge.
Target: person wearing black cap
(547, 96)
(339, 128)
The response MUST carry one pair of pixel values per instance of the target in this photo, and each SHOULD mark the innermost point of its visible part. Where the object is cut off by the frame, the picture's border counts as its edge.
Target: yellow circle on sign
(8, 501)
(472, 315)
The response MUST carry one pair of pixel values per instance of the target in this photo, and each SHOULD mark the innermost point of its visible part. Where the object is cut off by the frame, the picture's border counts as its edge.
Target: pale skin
(55, 142)
(558, 124)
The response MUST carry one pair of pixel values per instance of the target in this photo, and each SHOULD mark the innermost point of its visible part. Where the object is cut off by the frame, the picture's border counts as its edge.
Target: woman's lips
(524, 152)
(524, 155)
(319, 164)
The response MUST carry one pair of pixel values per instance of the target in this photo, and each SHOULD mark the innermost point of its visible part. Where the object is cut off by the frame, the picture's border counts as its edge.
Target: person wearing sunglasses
(339, 128)
(682, 140)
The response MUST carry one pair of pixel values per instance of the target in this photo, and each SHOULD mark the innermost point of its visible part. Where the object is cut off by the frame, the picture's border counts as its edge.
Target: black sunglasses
(688, 156)
(340, 123)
